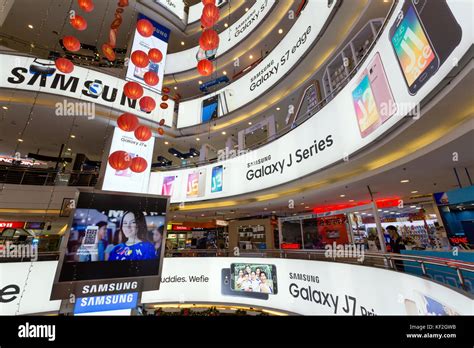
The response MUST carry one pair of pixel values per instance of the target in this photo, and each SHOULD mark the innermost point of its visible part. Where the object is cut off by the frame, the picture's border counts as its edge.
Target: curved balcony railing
(46, 177)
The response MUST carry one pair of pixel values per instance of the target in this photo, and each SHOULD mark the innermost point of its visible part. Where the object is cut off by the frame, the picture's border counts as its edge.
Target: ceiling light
(418, 207)
(166, 143)
(280, 31)
(414, 191)
(404, 181)
(226, 25)
(356, 212)
(197, 139)
(251, 57)
(175, 88)
(392, 212)
(20, 140)
(273, 212)
(265, 208)
(342, 196)
(73, 136)
(351, 200)
(250, 123)
(202, 214)
(30, 26)
(412, 206)
(278, 109)
(224, 72)
(385, 211)
(200, 82)
(5, 107)
(246, 9)
(224, 133)
(379, 209)
(306, 207)
(68, 149)
(182, 43)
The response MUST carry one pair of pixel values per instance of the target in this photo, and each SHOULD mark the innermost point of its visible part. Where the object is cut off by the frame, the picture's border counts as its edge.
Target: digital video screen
(258, 278)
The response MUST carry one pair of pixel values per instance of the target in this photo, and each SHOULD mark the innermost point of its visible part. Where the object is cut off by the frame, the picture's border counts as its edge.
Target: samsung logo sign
(106, 303)
(111, 287)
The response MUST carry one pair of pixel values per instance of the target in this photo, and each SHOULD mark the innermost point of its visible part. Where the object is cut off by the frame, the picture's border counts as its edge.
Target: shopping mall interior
(236, 158)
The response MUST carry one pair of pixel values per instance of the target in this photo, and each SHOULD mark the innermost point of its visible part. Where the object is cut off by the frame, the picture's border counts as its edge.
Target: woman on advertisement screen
(135, 245)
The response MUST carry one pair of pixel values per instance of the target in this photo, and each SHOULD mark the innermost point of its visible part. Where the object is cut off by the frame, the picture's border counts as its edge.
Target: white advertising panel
(186, 60)
(174, 6)
(40, 75)
(25, 292)
(379, 96)
(158, 40)
(139, 156)
(271, 69)
(295, 286)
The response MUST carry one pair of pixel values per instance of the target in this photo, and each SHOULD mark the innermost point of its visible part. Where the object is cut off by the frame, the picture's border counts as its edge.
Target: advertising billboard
(158, 40)
(380, 96)
(129, 162)
(114, 245)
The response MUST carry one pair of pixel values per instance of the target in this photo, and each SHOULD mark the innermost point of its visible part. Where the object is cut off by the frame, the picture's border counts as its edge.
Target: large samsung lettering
(60, 79)
(111, 287)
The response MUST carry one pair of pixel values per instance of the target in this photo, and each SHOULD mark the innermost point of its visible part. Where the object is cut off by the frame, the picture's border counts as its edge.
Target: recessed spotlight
(379, 209)
(246, 9)
(351, 200)
(364, 213)
(197, 139)
(69, 149)
(306, 207)
(273, 212)
(251, 57)
(200, 82)
(226, 25)
(224, 133)
(404, 181)
(20, 140)
(182, 43)
(414, 191)
(5, 107)
(398, 213)
(250, 123)
(166, 143)
(278, 109)
(386, 211)
(265, 208)
(342, 196)
(73, 136)
(202, 214)
(224, 72)
(280, 31)
(30, 26)
(175, 88)
(412, 206)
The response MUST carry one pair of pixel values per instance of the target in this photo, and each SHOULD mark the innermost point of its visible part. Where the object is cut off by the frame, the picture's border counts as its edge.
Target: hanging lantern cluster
(121, 160)
(108, 48)
(209, 39)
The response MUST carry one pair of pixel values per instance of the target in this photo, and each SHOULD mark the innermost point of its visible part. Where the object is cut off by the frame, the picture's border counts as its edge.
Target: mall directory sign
(113, 245)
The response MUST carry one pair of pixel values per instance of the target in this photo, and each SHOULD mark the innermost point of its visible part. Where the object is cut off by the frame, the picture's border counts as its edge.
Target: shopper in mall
(396, 244)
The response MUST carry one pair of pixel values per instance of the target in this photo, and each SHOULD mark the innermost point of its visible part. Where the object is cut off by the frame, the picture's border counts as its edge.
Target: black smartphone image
(226, 289)
(254, 278)
(443, 30)
(416, 54)
(209, 108)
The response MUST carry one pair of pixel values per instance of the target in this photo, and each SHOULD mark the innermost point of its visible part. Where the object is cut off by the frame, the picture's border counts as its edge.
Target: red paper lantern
(162, 122)
(205, 67)
(209, 40)
(123, 3)
(145, 28)
(71, 43)
(151, 78)
(207, 2)
(165, 98)
(128, 122)
(164, 106)
(139, 164)
(143, 133)
(206, 22)
(108, 52)
(86, 5)
(161, 131)
(133, 90)
(120, 160)
(166, 90)
(116, 22)
(147, 104)
(155, 55)
(140, 59)
(64, 65)
(210, 13)
(78, 23)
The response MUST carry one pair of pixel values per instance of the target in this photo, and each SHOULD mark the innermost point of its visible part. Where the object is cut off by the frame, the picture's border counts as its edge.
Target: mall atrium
(236, 158)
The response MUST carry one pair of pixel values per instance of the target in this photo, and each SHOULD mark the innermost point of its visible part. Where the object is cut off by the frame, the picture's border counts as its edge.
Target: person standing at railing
(396, 245)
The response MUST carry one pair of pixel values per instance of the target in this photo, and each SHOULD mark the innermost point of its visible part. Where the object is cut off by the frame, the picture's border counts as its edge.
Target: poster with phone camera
(255, 278)
(217, 179)
(158, 40)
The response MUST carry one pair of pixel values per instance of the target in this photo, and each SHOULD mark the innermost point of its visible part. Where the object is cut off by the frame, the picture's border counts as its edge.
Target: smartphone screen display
(193, 185)
(412, 46)
(383, 96)
(365, 106)
(167, 188)
(209, 109)
(217, 179)
(254, 278)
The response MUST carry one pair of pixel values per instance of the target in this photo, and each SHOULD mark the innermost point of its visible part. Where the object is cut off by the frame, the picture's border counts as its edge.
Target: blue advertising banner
(106, 303)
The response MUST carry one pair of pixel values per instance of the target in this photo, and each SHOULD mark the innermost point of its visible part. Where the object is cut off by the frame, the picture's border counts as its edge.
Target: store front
(187, 236)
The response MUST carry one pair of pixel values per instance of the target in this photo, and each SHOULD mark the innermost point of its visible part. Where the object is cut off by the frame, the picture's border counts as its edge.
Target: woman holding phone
(135, 245)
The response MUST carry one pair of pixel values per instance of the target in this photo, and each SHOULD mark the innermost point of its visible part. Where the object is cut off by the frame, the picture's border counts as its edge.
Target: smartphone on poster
(168, 185)
(226, 289)
(367, 114)
(413, 48)
(254, 278)
(383, 96)
(217, 179)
